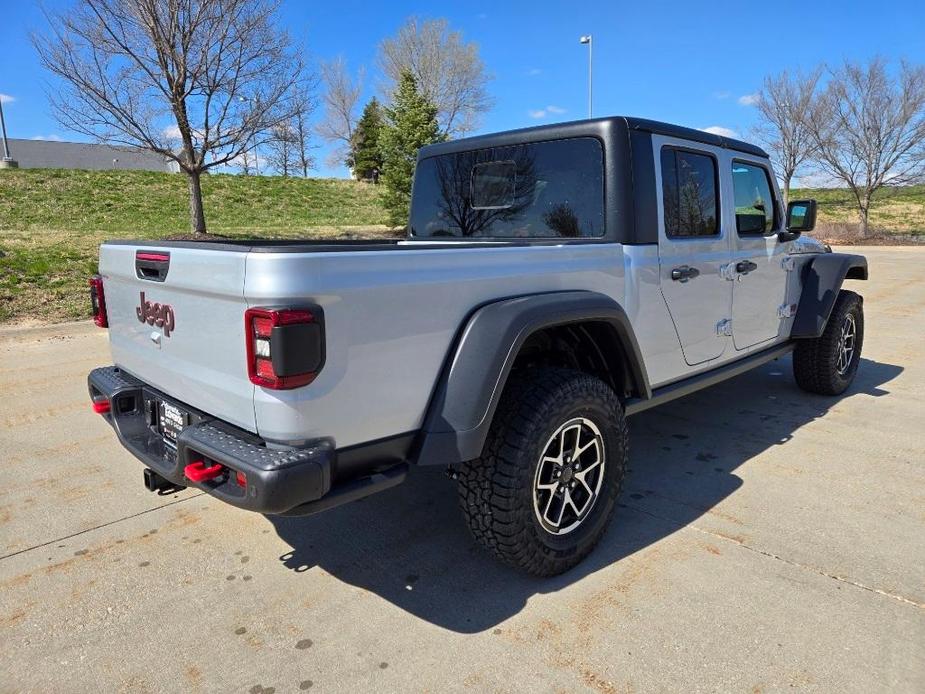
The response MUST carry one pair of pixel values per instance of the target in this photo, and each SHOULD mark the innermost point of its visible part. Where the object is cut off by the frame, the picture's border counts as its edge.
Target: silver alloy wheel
(846, 344)
(569, 476)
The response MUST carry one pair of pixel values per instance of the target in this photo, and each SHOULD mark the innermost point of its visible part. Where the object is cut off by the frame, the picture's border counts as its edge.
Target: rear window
(539, 190)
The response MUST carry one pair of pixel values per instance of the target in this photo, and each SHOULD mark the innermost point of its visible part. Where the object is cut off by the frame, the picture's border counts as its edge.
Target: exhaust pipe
(156, 483)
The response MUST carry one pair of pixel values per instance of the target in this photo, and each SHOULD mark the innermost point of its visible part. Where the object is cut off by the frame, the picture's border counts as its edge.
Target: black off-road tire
(815, 361)
(496, 490)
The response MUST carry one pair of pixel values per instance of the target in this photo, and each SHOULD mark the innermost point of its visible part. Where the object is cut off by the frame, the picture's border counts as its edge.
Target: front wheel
(827, 364)
(542, 493)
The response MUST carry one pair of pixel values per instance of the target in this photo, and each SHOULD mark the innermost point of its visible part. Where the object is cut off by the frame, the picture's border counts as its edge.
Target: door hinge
(786, 311)
(788, 263)
(724, 328)
(728, 272)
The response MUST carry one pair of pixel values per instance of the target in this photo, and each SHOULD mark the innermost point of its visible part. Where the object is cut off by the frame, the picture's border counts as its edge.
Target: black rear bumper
(278, 481)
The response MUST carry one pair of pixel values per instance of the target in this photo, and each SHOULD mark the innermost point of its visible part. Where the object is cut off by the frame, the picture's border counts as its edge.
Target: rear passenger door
(760, 289)
(693, 246)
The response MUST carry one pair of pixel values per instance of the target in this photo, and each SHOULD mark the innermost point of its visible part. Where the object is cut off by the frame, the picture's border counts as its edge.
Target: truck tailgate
(200, 359)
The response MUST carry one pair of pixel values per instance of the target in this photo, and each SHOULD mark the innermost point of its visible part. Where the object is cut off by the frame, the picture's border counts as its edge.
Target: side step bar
(679, 389)
(353, 490)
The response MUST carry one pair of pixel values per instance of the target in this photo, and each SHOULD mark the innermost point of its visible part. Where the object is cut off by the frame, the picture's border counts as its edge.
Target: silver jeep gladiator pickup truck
(554, 281)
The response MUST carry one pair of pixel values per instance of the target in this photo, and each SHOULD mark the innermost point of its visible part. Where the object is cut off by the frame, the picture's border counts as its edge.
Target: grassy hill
(52, 222)
(894, 210)
(145, 202)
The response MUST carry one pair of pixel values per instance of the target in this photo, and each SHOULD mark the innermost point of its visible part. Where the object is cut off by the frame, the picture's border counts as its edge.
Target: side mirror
(801, 216)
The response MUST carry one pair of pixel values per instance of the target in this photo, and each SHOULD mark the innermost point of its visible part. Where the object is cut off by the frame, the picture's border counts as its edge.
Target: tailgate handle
(198, 472)
(152, 265)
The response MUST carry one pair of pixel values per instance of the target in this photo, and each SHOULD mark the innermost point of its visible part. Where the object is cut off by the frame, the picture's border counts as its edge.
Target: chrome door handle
(684, 273)
(745, 266)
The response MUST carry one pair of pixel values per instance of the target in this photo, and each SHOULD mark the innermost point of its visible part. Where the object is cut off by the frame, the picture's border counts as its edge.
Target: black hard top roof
(587, 127)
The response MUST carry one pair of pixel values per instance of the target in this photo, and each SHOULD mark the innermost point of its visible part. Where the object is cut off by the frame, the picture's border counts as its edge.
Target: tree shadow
(409, 546)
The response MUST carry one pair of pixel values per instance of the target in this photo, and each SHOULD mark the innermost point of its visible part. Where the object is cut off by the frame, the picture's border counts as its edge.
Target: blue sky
(684, 62)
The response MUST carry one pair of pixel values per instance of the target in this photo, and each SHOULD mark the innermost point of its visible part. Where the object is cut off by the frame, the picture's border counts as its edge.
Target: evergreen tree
(366, 150)
(411, 123)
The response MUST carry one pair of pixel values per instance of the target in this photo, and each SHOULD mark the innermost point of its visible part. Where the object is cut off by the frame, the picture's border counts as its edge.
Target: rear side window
(689, 193)
(539, 190)
(756, 211)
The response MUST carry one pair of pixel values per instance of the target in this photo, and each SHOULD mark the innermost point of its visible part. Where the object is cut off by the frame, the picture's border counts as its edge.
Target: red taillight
(285, 347)
(98, 301)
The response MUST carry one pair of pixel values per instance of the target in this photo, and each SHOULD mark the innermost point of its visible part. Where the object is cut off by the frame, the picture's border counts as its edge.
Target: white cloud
(548, 111)
(52, 137)
(6, 99)
(748, 99)
(534, 71)
(721, 131)
(172, 132)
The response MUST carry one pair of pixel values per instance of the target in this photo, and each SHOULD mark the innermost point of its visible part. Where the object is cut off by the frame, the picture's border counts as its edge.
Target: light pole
(587, 39)
(7, 161)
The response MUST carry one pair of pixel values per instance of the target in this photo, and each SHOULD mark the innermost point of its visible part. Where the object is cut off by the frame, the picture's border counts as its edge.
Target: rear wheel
(542, 493)
(827, 364)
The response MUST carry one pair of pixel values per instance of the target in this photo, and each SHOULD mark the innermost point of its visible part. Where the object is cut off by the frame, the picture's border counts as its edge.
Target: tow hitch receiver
(156, 483)
(197, 471)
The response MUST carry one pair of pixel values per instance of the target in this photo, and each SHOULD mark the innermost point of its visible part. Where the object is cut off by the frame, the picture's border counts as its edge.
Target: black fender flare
(467, 394)
(822, 279)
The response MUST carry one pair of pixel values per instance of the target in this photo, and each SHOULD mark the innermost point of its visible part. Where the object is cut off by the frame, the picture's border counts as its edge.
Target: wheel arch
(492, 341)
(823, 277)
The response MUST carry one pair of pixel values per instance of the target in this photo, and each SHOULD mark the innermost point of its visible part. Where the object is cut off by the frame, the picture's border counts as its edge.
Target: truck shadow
(410, 547)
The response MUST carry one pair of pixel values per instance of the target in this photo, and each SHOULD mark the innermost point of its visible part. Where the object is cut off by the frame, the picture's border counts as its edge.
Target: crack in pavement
(704, 531)
(790, 562)
(101, 525)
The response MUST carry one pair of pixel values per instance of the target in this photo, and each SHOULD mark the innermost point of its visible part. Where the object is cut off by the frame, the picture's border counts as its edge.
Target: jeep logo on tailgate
(160, 315)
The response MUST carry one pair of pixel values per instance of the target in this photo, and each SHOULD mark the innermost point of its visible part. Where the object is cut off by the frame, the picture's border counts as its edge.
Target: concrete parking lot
(767, 540)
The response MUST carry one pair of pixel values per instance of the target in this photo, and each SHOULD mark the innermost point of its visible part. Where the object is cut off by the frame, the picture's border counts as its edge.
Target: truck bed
(391, 311)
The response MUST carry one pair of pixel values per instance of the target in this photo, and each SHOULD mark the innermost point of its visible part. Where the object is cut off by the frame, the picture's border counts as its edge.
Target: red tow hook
(198, 472)
(101, 406)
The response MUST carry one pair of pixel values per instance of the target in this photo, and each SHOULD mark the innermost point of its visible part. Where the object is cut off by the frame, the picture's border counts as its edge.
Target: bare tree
(341, 96)
(198, 81)
(289, 145)
(869, 129)
(449, 72)
(249, 162)
(302, 133)
(281, 149)
(784, 103)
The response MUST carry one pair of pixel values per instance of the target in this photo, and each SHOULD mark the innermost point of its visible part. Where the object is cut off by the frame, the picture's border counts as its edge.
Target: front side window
(689, 193)
(538, 190)
(755, 207)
